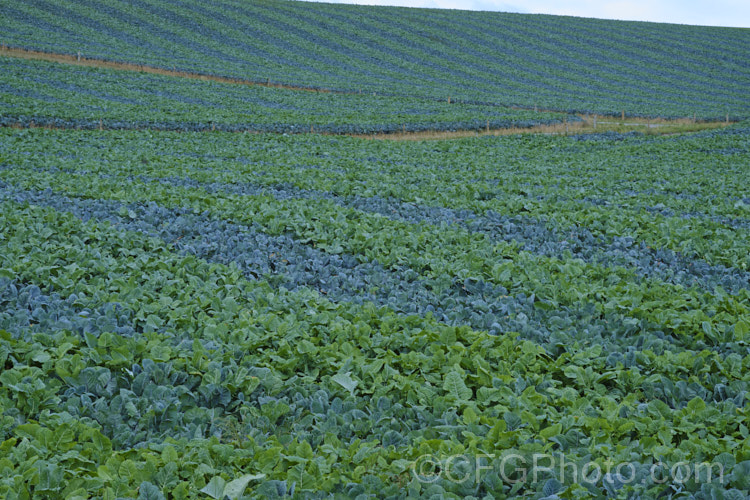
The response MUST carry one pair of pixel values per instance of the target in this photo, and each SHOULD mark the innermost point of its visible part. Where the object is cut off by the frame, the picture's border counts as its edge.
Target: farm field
(561, 63)
(275, 306)
(64, 96)
(190, 312)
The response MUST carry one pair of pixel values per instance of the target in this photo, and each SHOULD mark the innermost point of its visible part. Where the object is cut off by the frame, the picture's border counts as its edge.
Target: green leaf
(734, 494)
(742, 328)
(169, 454)
(79, 494)
(726, 460)
(148, 491)
(160, 352)
(696, 405)
(218, 488)
(41, 357)
(50, 478)
(551, 487)
(470, 416)
(551, 431)
(250, 384)
(456, 388)
(400, 465)
(346, 381)
(215, 487)
(234, 489)
(129, 470)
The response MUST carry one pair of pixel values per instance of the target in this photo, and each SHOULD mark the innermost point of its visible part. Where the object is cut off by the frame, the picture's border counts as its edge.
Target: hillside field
(215, 289)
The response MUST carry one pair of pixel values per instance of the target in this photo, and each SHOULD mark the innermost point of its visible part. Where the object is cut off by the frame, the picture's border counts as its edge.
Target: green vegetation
(560, 63)
(509, 336)
(187, 312)
(58, 95)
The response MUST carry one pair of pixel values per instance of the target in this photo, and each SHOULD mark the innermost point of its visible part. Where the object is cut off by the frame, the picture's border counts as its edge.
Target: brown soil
(100, 63)
(651, 127)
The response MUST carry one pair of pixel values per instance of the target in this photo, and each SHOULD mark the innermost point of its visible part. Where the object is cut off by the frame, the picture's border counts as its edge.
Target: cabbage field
(559, 63)
(181, 313)
(213, 290)
(55, 95)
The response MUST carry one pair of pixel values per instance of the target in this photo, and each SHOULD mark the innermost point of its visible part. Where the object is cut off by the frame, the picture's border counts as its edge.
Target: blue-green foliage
(193, 315)
(45, 94)
(177, 320)
(569, 64)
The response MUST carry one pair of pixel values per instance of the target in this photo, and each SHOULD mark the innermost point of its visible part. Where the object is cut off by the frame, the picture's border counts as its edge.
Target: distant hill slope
(561, 63)
(68, 96)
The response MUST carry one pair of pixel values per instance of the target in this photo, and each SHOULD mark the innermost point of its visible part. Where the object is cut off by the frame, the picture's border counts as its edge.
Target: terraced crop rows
(47, 94)
(567, 64)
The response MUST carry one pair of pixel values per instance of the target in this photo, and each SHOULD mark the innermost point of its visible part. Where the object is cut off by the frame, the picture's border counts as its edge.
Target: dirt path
(101, 63)
(663, 127)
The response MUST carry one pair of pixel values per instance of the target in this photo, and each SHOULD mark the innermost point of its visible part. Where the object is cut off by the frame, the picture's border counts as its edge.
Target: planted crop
(278, 314)
(189, 312)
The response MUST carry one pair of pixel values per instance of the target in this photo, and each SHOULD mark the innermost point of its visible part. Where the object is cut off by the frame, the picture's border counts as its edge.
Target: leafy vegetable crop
(46, 94)
(270, 316)
(191, 315)
(562, 63)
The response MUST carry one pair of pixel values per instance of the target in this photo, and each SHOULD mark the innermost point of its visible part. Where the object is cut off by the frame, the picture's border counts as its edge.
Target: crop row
(280, 313)
(437, 252)
(285, 262)
(391, 388)
(537, 68)
(364, 182)
(557, 63)
(530, 235)
(89, 98)
(694, 175)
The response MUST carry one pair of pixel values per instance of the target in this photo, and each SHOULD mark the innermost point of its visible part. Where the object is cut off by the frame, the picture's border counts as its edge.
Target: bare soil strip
(586, 126)
(664, 128)
(101, 63)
